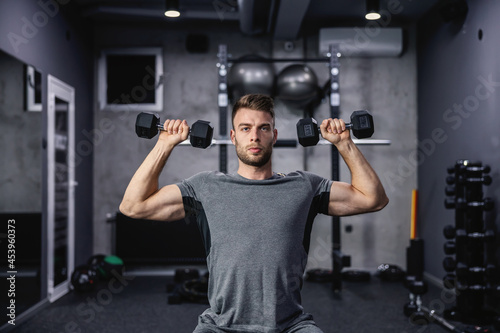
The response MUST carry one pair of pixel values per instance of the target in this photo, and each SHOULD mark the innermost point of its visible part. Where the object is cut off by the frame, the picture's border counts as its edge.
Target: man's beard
(257, 161)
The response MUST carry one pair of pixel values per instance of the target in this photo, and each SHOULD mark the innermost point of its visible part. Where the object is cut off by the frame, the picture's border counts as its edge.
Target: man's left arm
(365, 193)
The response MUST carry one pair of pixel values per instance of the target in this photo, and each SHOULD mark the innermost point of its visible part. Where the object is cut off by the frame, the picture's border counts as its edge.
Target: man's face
(254, 136)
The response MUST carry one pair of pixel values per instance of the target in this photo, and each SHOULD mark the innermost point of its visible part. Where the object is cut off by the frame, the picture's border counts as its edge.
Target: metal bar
(339, 260)
(223, 102)
(368, 142)
(266, 60)
(292, 143)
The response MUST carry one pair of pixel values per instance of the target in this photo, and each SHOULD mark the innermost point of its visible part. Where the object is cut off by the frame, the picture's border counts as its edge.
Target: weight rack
(470, 246)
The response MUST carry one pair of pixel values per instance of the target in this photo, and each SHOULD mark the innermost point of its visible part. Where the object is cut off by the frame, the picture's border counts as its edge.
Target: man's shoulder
(204, 175)
(299, 174)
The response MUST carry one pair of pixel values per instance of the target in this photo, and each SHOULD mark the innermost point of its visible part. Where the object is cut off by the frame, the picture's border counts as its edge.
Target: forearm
(144, 183)
(363, 178)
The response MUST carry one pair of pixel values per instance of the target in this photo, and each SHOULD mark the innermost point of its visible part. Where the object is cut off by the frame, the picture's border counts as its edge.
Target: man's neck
(255, 173)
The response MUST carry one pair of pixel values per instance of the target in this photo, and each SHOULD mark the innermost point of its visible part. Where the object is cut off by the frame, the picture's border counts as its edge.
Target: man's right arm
(143, 199)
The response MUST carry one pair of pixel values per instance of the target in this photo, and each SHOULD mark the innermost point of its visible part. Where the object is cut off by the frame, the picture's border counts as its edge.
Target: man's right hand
(174, 132)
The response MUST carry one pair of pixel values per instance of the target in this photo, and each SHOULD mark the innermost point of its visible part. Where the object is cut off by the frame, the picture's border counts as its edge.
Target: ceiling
(283, 19)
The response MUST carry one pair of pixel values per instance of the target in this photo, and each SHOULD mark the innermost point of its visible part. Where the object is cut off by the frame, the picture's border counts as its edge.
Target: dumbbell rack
(469, 249)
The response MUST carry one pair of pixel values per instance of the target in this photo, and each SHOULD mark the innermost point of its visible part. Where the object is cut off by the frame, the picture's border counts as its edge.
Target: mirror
(20, 185)
(61, 186)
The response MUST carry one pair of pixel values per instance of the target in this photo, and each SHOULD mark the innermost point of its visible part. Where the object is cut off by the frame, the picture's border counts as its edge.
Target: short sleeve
(188, 188)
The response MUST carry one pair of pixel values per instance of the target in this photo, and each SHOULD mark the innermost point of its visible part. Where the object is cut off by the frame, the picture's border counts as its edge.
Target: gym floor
(139, 304)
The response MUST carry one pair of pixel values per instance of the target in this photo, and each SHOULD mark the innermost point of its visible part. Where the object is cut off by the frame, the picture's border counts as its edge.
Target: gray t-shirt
(256, 234)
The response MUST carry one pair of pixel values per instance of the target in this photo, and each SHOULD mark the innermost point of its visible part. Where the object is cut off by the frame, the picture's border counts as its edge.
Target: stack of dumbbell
(469, 261)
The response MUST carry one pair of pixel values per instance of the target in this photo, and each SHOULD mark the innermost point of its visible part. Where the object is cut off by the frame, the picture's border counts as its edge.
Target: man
(255, 224)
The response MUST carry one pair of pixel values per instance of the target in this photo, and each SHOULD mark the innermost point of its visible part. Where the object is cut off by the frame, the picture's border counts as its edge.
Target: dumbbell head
(308, 132)
(449, 247)
(146, 125)
(449, 232)
(201, 134)
(361, 125)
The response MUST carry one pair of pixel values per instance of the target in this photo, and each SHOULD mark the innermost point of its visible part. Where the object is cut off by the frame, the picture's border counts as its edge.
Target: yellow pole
(414, 201)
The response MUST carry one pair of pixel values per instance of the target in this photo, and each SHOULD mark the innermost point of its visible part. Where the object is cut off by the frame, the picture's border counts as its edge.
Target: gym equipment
(449, 232)
(184, 274)
(188, 286)
(486, 180)
(251, 77)
(105, 265)
(147, 126)
(361, 125)
(460, 203)
(83, 278)
(356, 275)
(297, 86)
(413, 308)
(112, 265)
(318, 275)
(389, 272)
(449, 264)
(96, 263)
(471, 271)
(449, 247)
(449, 281)
(413, 280)
(433, 317)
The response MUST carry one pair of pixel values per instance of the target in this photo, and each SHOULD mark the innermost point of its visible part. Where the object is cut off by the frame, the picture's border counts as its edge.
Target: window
(130, 79)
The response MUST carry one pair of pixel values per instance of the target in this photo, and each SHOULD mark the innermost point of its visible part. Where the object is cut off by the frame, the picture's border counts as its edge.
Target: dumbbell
(450, 247)
(486, 180)
(460, 203)
(147, 126)
(449, 264)
(361, 125)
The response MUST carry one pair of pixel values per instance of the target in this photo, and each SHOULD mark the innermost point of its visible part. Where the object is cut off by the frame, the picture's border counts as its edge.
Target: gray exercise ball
(297, 86)
(251, 77)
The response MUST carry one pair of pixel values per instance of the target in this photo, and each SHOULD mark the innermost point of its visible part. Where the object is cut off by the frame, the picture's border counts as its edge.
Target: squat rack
(339, 260)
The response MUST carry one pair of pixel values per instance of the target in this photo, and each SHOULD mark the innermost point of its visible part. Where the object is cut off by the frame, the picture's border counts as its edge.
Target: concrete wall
(51, 37)
(21, 144)
(386, 87)
(459, 99)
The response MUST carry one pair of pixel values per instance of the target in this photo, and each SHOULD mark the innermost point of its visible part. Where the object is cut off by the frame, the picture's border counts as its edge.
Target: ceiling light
(172, 8)
(372, 10)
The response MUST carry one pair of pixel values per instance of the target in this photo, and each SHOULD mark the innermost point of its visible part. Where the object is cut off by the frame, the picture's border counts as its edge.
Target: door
(61, 186)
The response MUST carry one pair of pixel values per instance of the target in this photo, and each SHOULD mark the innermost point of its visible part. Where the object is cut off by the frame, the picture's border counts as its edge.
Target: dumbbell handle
(347, 126)
(441, 321)
(160, 126)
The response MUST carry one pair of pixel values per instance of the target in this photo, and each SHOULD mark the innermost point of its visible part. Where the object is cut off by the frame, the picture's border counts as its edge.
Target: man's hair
(258, 102)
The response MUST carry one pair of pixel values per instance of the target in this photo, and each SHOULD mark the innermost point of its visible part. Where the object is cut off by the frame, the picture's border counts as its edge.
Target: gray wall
(54, 40)
(454, 66)
(21, 144)
(385, 86)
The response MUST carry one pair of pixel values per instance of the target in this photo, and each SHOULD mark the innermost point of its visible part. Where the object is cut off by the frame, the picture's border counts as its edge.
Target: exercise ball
(251, 77)
(297, 86)
(83, 278)
(105, 265)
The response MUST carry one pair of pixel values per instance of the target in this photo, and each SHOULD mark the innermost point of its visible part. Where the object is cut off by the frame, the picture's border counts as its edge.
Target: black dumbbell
(450, 247)
(486, 180)
(449, 232)
(449, 281)
(449, 264)
(361, 125)
(460, 203)
(147, 126)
